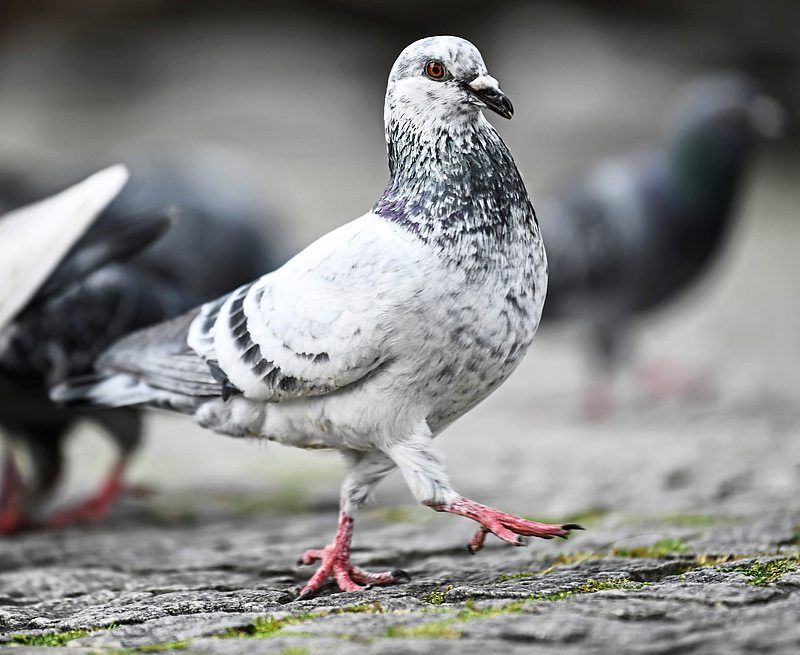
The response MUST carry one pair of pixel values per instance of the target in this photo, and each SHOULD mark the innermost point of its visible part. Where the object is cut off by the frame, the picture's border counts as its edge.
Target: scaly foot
(666, 380)
(509, 528)
(97, 506)
(12, 496)
(335, 563)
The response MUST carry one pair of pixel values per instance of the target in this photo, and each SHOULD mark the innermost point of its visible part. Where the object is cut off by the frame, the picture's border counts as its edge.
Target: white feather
(35, 238)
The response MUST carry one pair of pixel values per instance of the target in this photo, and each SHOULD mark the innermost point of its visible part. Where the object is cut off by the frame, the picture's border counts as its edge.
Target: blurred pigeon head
(442, 79)
(728, 105)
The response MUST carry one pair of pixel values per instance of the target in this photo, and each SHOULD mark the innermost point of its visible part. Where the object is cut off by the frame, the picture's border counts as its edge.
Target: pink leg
(599, 400)
(97, 506)
(335, 563)
(12, 497)
(665, 380)
(510, 528)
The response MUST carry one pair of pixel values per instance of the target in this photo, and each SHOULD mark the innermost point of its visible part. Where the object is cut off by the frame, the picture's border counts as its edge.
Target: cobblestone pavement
(691, 505)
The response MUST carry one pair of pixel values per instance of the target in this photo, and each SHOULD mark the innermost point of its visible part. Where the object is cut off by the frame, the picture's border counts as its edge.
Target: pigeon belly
(450, 349)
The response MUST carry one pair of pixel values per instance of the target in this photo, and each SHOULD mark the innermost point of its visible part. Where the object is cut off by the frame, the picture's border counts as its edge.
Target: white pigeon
(35, 238)
(379, 335)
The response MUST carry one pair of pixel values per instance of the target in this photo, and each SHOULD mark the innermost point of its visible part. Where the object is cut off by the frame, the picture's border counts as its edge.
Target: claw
(305, 594)
(572, 526)
(401, 575)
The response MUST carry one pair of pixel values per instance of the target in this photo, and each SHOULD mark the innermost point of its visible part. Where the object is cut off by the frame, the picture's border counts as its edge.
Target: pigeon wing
(35, 238)
(310, 328)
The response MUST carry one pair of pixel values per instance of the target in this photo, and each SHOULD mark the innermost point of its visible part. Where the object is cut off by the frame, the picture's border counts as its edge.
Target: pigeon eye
(435, 70)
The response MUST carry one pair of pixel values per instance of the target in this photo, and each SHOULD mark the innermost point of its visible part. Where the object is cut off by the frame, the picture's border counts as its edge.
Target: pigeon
(637, 231)
(376, 337)
(127, 272)
(34, 240)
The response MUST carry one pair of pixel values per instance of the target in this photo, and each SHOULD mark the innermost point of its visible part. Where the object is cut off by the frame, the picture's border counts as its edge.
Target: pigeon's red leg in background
(510, 528)
(665, 380)
(12, 496)
(98, 505)
(335, 563)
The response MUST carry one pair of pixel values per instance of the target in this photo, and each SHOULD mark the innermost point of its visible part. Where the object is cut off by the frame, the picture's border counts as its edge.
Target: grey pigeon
(34, 240)
(637, 231)
(112, 282)
(379, 335)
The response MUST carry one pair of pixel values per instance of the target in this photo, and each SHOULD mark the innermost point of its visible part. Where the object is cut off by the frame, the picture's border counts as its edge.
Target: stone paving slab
(218, 586)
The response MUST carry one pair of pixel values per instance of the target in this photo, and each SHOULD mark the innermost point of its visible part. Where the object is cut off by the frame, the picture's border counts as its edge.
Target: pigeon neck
(452, 182)
(707, 165)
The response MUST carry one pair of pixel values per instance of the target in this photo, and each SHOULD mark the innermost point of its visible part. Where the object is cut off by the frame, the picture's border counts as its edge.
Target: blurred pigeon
(112, 283)
(35, 238)
(383, 332)
(637, 231)
(33, 241)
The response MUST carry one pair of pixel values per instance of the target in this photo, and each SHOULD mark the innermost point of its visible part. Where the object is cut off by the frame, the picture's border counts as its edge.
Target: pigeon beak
(487, 90)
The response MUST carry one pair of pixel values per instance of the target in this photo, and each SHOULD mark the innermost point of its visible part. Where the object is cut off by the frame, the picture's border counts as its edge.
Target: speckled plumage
(381, 333)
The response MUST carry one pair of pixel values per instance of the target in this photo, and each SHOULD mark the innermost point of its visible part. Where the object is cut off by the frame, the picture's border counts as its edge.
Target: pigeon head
(442, 80)
(716, 128)
(727, 106)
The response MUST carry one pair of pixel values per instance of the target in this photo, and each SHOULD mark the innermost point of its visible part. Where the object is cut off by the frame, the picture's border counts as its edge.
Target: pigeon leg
(509, 528)
(335, 563)
(665, 380)
(12, 496)
(424, 472)
(98, 505)
(366, 470)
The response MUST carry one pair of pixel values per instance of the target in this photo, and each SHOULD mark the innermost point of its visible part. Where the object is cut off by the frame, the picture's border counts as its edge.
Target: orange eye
(435, 70)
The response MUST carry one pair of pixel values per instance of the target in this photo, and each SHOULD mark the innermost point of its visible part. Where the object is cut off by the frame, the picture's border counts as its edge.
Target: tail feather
(107, 241)
(102, 390)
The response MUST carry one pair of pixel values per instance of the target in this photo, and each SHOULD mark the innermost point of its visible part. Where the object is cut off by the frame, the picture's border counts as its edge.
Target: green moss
(760, 574)
(436, 630)
(437, 597)
(296, 650)
(448, 628)
(266, 627)
(49, 639)
(591, 587)
(521, 575)
(659, 550)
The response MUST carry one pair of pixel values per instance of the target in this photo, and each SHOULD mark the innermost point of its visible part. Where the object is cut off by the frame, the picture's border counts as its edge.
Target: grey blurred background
(293, 92)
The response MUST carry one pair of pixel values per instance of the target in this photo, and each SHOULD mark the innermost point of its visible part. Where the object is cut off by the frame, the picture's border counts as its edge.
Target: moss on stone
(591, 587)
(520, 575)
(296, 650)
(437, 597)
(659, 550)
(436, 630)
(760, 574)
(266, 627)
(448, 628)
(48, 639)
